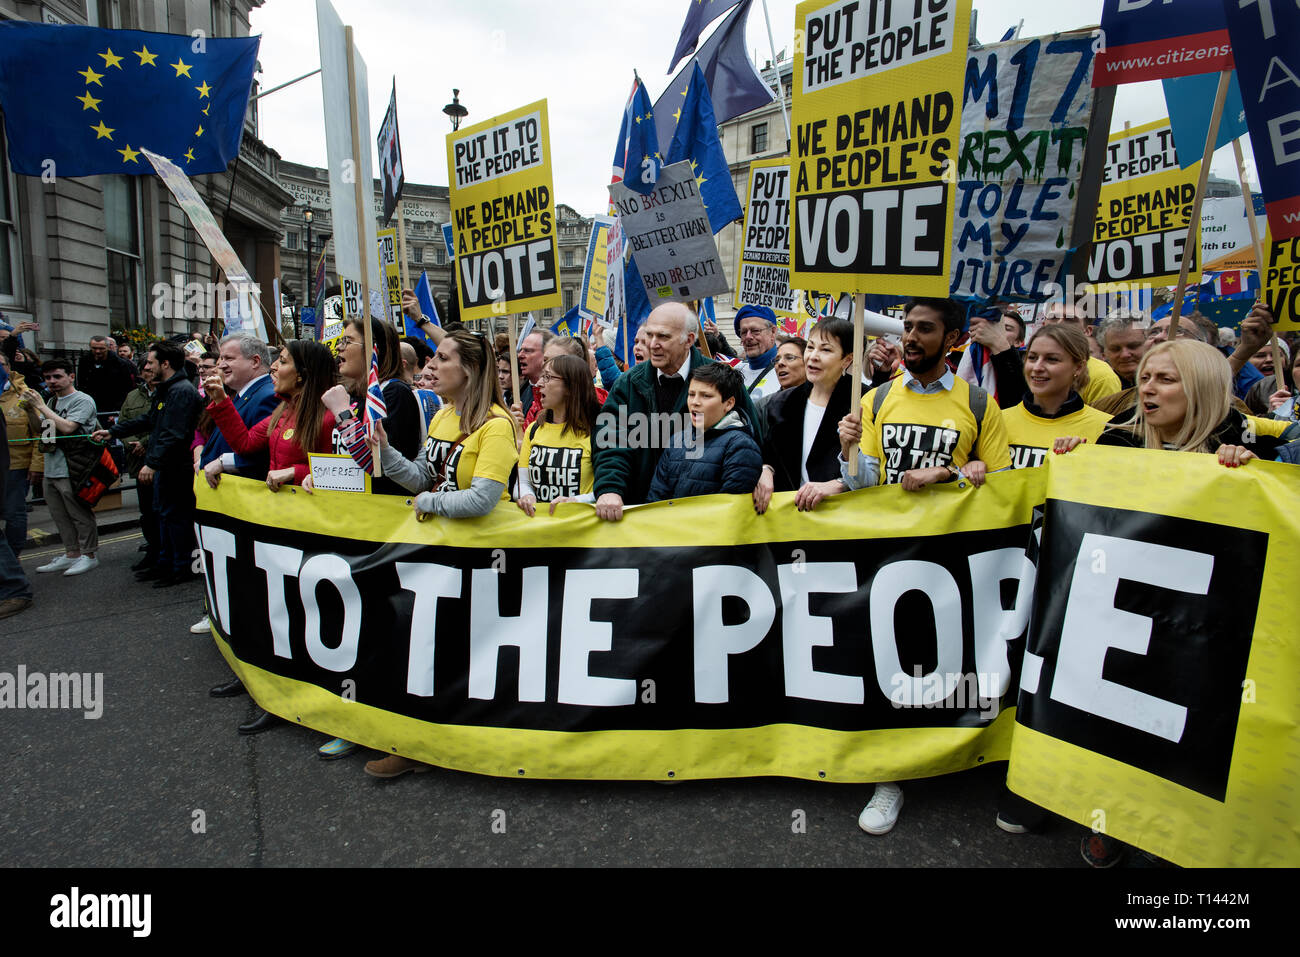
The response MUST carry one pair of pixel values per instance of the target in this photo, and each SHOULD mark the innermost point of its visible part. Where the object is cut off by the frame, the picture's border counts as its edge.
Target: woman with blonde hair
(1056, 372)
(1185, 405)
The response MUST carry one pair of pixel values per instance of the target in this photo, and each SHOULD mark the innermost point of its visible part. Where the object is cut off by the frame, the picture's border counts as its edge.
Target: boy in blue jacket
(718, 452)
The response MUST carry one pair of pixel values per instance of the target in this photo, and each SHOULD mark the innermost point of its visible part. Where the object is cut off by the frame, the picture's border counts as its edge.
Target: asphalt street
(162, 779)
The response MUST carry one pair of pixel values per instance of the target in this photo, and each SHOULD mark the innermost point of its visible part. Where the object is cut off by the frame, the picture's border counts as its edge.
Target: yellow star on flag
(111, 59)
(129, 155)
(206, 108)
(181, 67)
(88, 102)
(637, 119)
(204, 90)
(678, 116)
(189, 155)
(103, 132)
(146, 58)
(199, 132)
(91, 76)
(650, 115)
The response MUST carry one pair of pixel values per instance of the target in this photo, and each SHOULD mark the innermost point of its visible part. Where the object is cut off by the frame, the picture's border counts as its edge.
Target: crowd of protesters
(774, 415)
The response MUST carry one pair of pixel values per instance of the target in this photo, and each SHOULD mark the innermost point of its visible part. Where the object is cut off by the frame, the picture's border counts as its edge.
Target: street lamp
(307, 215)
(455, 111)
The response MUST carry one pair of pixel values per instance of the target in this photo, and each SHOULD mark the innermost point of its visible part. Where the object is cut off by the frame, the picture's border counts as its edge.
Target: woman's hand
(308, 485)
(278, 478)
(916, 479)
(814, 493)
(216, 392)
(378, 437)
(337, 400)
(529, 505)
(597, 338)
(1277, 398)
(851, 435)
(198, 456)
(212, 472)
(1235, 456)
(975, 470)
(517, 411)
(763, 490)
(1067, 443)
(560, 501)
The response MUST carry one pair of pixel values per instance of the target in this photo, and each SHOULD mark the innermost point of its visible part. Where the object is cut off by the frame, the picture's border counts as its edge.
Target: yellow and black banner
(878, 638)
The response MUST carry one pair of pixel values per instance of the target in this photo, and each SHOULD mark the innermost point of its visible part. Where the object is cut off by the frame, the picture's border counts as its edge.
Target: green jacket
(629, 451)
(135, 405)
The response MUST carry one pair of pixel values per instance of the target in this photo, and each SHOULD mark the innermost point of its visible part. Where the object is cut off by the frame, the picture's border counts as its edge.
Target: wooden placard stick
(1279, 378)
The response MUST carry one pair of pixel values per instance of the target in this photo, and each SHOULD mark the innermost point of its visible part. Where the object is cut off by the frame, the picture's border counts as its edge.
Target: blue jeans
(13, 583)
(16, 509)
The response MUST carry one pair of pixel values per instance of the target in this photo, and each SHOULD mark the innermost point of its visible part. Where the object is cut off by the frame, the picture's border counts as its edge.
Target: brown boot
(394, 766)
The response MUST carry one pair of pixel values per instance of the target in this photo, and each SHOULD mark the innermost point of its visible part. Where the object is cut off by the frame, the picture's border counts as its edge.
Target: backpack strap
(878, 398)
(979, 403)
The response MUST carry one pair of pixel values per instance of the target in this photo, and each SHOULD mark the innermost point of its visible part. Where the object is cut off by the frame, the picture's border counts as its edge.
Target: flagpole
(1194, 223)
(401, 242)
(359, 189)
(780, 87)
(1279, 379)
(855, 402)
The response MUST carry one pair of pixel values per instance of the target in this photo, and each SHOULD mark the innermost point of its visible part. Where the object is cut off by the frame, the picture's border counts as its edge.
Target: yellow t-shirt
(1102, 381)
(1030, 436)
(488, 453)
(559, 465)
(916, 431)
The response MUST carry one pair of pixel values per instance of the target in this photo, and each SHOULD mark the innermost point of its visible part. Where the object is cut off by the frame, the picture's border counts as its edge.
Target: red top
(285, 452)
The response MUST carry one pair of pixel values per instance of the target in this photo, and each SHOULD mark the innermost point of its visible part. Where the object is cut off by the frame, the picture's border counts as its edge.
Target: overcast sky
(577, 54)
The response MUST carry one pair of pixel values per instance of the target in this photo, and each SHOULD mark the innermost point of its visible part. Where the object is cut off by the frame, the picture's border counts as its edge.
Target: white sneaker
(201, 627)
(881, 812)
(59, 564)
(82, 565)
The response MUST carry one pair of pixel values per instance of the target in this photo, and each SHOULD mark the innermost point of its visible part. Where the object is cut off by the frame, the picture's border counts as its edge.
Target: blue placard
(450, 241)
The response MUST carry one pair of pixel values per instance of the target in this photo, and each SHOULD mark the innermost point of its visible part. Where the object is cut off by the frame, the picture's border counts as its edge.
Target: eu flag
(700, 14)
(697, 140)
(88, 100)
(636, 156)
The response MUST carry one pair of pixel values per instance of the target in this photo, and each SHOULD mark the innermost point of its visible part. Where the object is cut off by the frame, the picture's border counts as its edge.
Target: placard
(503, 212)
(670, 239)
(392, 274)
(765, 249)
(592, 297)
(877, 108)
(337, 473)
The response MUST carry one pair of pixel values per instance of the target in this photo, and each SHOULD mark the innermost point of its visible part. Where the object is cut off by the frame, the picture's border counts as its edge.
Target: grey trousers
(74, 518)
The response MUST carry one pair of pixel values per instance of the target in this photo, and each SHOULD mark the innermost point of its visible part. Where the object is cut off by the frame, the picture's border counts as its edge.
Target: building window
(106, 14)
(417, 253)
(440, 254)
(568, 258)
(291, 241)
(758, 138)
(570, 297)
(547, 315)
(122, 242)
(10, 250)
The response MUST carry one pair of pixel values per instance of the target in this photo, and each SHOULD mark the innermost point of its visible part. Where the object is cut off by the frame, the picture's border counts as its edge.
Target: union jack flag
(376, 407)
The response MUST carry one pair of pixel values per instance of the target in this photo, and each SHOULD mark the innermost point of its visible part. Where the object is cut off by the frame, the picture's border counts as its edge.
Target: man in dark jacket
(105, 376)
(646, 408)
(168, 463)
(15, 589)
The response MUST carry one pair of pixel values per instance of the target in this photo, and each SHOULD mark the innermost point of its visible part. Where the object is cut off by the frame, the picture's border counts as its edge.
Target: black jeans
(174, 505)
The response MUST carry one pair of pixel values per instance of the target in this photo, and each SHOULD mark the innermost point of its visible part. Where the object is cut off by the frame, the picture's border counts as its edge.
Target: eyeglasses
(547, 377)
(344, 341)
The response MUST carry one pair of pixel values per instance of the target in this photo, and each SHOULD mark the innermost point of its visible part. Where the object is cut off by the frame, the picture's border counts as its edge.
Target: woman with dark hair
(402, 421)
(802, 446)
(556, 462)
(299, 426)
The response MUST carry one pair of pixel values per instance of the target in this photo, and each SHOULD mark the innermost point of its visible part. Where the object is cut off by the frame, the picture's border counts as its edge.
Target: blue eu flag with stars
(80, 101)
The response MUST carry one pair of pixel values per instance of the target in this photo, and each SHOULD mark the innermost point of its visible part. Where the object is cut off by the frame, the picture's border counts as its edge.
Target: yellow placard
(765, 248)
(1145, 206)
(503, 209)
(877, 110)
(1280, 278)
(392, 274)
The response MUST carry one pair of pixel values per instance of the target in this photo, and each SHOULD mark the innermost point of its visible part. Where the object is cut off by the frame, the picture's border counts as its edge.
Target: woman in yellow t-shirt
(1056, 370)
(471, 449)
(555, 463)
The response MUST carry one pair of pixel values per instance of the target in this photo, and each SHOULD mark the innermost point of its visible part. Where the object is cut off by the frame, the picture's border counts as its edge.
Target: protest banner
(1158, 702)
(568, 648)
(392, 275)
(1154, 39)
(503, 212)
(1225, 234)
(668, 234)
(765, 252)
(595, 283)
(1268, 64)
(1280, 278)
(391, 175)
(1146, 205)
(1025, 124)
(877, 107)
